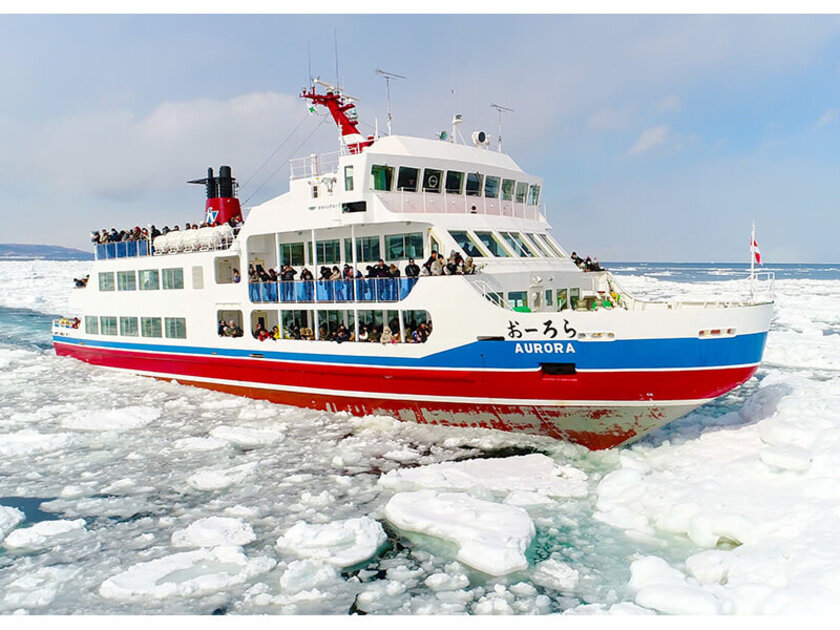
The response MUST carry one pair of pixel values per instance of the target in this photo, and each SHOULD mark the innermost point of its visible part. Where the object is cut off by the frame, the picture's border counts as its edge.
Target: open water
(106, 479)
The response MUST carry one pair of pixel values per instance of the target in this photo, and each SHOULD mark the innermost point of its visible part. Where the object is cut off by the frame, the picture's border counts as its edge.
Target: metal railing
(448, 203)
(122, 249)
(331, 291)
(315, 164)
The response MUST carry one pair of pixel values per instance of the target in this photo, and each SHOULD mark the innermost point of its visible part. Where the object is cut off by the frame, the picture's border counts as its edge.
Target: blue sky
(659, 137)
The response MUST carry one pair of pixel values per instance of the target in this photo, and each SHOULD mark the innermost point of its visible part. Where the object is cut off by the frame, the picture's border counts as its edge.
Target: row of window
(145, 280)
(566, 299)
(368, 249)
(173, 327)
(453, 182)
(505, 244)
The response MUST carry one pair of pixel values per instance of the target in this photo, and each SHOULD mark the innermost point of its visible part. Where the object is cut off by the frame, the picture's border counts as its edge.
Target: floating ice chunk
(555, 574)
(624, 608)
(27, 441)
(214, 531)
(340, 543)
(248, 436)
(663, 588)
(44, 534)
(529, 473)
(491, 537)
(706, 529)
(219, 479)
(123, 419)
(38, 588)
(790, 458)
(402, 455)
(9, 519)
(187, 574)
(307, 575)
(447, 581)
(710, 566)
(200, 444)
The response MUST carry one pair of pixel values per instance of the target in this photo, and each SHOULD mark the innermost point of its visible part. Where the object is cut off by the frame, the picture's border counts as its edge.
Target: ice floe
(44, 534)
(214, 531)
(340, 543)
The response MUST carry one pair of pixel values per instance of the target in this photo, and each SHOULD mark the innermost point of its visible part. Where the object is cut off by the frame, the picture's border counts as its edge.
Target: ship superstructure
(517, 337)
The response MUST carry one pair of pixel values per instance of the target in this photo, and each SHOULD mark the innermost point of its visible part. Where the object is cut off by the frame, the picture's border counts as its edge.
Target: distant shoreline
(15, 251)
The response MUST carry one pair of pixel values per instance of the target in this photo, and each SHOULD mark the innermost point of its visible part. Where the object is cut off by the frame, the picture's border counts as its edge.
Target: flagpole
(752, 261)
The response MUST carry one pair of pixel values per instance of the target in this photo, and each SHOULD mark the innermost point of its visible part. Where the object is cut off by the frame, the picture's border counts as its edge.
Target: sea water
(122, 494)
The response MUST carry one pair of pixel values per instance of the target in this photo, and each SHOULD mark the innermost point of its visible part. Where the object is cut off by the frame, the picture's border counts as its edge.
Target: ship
(416, 278)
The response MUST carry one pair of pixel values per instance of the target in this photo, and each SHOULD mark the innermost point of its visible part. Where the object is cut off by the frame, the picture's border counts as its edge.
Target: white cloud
(650, 139)
(828, 117)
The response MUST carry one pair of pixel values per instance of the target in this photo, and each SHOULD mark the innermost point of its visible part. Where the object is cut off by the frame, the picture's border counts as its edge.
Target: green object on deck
(521, 309)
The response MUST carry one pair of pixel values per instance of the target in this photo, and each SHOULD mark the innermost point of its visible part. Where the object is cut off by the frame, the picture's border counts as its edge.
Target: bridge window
(507, 189)
(126, 281)
(466, 243)
(108, 325)
(533, 195)
(491, 187)
(383, 177)
(517, 245)
(493, 244)
(176, 327)
(173, 278)
(407, 179)
(106, 281)
(432, 179)
(149, 280)
(521, 191)
(150, 327)
(454, 182)
(128, 327)
(348, 178)
(540, 245)
(473, 184)
(404, 246)
(552, 245)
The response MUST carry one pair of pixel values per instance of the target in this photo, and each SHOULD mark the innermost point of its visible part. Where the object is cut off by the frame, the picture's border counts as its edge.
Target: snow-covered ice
(153, 497)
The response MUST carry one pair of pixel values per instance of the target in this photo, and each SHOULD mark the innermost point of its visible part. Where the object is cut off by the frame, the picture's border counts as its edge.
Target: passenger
(275, 333)
(386, 335)
(223, 328)
(596, 265)
(374, 334)
(363, 333)
(381, 269)
(288, 274)
(437, 266)
(426, 269)
(451, 267)
(236, 276)
(155, 232)
(412, 270)
(432, 258)
(306, 333)
(325, 273)
(336, 274)
(272, 275)
(370, 272)
(342, 334)
(305, 274)
(469, 266)
(393, 271)
(347, 274)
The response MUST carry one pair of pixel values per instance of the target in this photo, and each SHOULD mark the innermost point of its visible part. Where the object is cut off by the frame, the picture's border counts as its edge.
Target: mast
(500, 109)
(388, 76)
(343, 111)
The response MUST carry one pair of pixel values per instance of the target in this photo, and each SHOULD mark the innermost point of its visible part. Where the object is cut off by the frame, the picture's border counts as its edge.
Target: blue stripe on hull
(628, 354)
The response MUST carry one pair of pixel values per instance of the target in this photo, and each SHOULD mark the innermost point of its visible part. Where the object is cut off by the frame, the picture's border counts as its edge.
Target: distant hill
(9, 251)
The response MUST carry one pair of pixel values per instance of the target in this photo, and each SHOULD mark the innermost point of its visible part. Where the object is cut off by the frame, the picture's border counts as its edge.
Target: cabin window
(230, 323)
(562, 299)
(521, 191)
(407, 179)
(367, 249)
(432, 179)
(354, 206)
(491, 187)
(126, 281)
(348, 178)
(291, 254)
(518, 299)
(382, 177)
(173, 278)
(454, 182)
(434, 244)
(466, 243)
(496, 298)
(108, 325)
(533, 195)
(328, 252)
(106, 281)
(226, 270)
(150, 327)
(473, 184)
(516, 244)
(176, 327)
(91, 325)
(149, 279)
(417, 326)
(507, 189)
(404, 246)
(197, 277)
(295, 322)
(128, 327)
(329, 322)
(493, 244)
(315, 192)
(574, 298)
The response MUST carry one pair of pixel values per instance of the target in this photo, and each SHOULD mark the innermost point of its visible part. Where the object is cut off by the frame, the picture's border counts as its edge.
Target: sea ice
(340, 543)
(44, 534)
(123, 419)
(247, 437)
(185, 574)
(9, 519)
(491, 537)
(214, 531)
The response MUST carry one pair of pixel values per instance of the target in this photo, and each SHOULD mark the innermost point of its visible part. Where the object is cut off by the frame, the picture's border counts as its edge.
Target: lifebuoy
(432, 181)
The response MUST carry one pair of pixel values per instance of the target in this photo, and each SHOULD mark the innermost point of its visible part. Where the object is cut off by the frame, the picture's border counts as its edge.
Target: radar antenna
(388, 76)
(500, 109)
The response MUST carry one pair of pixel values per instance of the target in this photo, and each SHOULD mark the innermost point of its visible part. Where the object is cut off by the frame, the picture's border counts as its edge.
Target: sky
(659, 137)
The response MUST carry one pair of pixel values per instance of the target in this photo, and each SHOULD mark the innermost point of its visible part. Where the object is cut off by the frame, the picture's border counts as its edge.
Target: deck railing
(122, 249)
(331, 291)
(449, 203)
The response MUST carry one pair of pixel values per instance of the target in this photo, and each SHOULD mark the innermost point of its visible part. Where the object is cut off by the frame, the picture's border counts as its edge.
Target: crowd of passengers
(436, 265)
(414, 332)
(142, 234)
(587, 264)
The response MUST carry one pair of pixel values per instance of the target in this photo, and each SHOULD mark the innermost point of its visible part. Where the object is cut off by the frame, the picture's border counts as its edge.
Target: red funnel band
(221, 209)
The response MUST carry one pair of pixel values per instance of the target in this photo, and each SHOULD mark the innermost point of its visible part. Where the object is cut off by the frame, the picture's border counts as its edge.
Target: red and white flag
(756, 253)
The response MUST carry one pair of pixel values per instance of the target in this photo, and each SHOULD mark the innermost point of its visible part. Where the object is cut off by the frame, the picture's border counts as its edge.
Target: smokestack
(225, 182)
